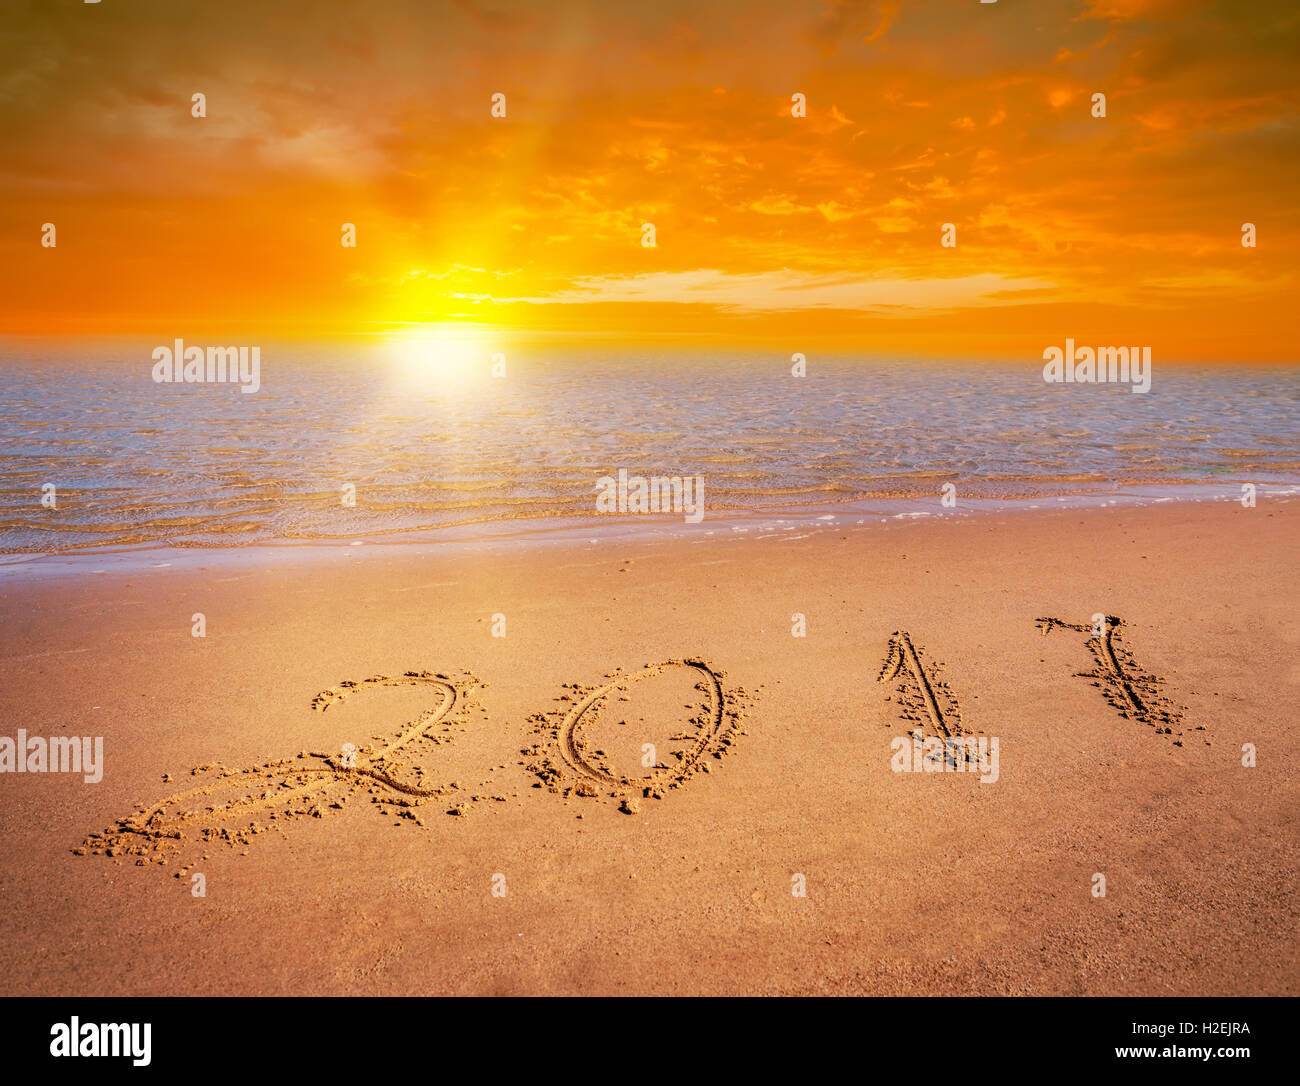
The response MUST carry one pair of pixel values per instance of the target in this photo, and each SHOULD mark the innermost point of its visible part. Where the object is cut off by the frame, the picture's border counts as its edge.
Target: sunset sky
(795, 233)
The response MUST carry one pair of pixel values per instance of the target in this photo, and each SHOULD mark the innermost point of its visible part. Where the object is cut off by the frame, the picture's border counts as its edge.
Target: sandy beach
(491, 853)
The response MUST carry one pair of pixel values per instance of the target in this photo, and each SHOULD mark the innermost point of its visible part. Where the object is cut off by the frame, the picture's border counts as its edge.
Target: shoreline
(622, 530)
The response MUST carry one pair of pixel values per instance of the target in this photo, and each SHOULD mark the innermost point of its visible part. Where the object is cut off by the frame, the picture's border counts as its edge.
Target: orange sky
(795, 233)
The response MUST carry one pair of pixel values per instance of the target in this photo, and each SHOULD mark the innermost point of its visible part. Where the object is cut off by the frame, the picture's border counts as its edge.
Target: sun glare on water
(442, 361)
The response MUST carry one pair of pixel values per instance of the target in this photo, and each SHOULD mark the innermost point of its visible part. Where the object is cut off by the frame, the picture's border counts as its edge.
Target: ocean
(456, 453)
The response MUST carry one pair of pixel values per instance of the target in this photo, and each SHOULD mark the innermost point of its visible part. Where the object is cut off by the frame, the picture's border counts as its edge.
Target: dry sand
(510, 763)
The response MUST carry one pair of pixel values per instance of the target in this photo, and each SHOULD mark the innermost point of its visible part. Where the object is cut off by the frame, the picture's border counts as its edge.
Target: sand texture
(650, 785)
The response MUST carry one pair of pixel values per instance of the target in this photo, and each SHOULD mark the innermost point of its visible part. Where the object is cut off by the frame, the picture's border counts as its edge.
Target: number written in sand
(233, 806)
